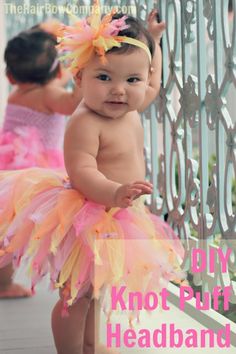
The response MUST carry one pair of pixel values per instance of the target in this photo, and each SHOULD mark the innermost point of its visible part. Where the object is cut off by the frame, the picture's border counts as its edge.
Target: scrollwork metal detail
(189, 19)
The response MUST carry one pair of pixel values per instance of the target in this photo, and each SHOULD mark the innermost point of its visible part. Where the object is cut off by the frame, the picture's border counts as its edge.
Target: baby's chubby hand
(154, 27)
(126, 193)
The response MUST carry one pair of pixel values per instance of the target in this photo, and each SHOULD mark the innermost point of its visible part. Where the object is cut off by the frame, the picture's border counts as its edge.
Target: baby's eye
(103, 77)
(133, 79)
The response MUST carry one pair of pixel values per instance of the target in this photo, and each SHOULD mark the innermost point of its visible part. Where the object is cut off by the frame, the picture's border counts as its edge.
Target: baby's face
(117, 87)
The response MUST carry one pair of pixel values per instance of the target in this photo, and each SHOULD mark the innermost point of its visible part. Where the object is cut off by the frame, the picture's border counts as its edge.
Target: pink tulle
(24, 148)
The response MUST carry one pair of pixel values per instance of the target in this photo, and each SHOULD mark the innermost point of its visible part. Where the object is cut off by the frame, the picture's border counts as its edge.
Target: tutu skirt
(23, 148)
(80, 243)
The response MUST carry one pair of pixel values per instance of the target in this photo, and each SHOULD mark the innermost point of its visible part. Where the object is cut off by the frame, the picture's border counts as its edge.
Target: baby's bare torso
(119, 155)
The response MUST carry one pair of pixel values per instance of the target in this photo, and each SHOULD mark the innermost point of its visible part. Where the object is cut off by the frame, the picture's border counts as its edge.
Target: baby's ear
(59, 73)
(77, 78)
(10, 78)
(151, 71)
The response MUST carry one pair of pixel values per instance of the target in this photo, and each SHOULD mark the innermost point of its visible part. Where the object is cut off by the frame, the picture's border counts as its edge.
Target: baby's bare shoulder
(82, 125)
(81, 135)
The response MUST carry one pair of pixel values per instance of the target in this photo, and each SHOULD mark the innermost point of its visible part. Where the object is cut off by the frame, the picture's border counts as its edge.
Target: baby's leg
(91, 334)
(68, 331)
(9, 289)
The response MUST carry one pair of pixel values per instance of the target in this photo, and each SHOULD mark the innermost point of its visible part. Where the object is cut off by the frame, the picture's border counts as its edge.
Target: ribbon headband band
(136, 43)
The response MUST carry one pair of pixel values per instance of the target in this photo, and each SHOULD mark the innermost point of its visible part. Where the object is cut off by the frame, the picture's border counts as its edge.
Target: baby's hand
(126, 193)
(154, 27)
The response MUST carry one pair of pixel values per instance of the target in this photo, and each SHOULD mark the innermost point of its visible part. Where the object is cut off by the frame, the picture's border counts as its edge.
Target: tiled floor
(25, 327)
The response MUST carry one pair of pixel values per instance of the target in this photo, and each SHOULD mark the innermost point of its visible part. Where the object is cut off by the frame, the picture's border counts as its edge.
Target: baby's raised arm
(81, 148)
(59, 100)
(64, 78)
(156, 29)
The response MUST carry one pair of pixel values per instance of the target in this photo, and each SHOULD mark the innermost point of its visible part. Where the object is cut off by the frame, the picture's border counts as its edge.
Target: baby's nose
(118, 89)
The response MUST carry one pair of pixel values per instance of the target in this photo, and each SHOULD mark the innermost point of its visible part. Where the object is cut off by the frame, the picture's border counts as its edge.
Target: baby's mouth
(116, 102)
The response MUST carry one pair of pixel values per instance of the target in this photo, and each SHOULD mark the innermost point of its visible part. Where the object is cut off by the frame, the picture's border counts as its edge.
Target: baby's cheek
(143, 92)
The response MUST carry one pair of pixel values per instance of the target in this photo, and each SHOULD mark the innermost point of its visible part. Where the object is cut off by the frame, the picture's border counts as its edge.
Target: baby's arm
(64, 79)
(81, 147)
(59, 100)
(156, 29)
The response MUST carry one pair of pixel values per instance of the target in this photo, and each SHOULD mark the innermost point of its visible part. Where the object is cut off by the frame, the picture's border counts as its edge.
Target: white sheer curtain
(3, 81)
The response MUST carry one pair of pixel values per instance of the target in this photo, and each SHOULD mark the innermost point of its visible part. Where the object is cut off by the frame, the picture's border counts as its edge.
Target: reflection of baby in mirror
(34, 121)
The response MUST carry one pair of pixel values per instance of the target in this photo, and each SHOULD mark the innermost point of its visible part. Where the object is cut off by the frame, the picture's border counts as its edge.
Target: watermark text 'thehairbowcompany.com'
(52, 9)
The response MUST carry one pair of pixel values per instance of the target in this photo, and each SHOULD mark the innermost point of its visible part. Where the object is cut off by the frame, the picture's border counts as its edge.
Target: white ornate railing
(194, 171)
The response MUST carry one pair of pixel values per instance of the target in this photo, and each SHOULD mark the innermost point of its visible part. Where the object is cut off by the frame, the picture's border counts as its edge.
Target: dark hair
(30, 56)
(230, 6)
(135, 30)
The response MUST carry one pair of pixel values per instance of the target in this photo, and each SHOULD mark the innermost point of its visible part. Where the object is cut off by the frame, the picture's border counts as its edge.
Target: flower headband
(92, 35)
